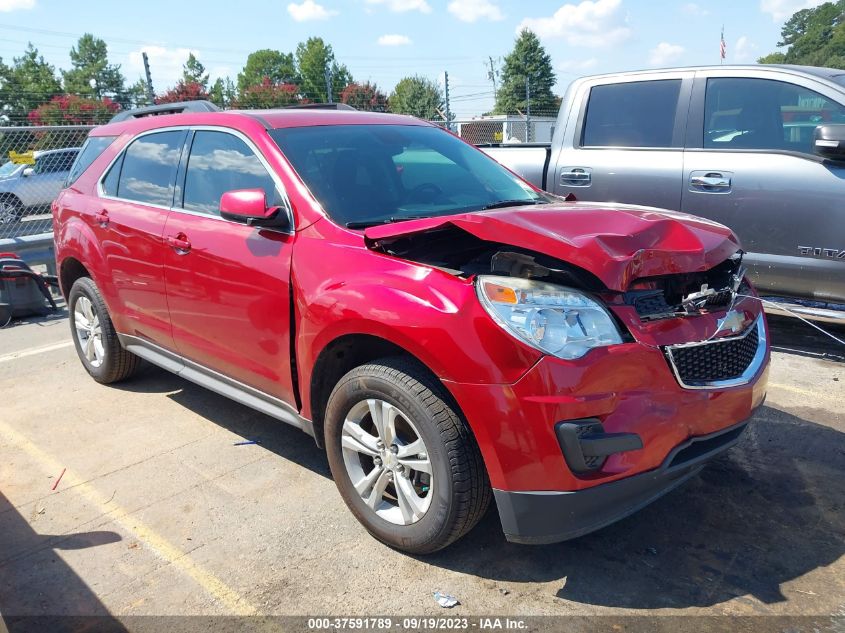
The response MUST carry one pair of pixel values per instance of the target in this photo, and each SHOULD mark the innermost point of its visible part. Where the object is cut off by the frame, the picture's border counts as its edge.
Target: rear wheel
(403, 460)
(11, 210)
(94, 336)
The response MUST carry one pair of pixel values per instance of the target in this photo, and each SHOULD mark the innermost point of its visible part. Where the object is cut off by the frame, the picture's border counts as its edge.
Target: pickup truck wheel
(94, 336)
(10, 210)
(403, 460)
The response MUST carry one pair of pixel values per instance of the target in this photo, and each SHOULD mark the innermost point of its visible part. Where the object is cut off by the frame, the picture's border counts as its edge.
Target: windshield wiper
(501, 204)
(365, 224)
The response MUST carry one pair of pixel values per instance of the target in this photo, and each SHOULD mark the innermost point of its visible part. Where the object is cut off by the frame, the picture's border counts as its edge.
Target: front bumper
(548, 516)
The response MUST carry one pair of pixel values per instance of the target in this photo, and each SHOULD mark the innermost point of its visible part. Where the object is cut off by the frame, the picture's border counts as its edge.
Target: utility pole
(491, 74)
(329, 84)
(527, 110)
(448, 110)
(150, 93)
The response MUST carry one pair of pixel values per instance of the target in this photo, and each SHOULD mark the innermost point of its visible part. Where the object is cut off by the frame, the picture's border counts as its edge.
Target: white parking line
(34, 351)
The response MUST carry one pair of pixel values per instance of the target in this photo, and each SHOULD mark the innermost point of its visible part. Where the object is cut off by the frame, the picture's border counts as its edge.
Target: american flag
(723, 48)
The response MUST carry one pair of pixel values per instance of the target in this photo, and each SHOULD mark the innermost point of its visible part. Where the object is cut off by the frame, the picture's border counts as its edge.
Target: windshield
(368, 174)
(9, 168)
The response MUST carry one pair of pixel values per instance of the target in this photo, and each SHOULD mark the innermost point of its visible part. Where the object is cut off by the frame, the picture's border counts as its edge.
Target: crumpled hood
(617, 243)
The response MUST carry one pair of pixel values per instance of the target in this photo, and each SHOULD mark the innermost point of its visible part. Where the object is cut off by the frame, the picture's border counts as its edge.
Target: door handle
(179, 243)
(711, 181)
(576, 176)
(102, 218)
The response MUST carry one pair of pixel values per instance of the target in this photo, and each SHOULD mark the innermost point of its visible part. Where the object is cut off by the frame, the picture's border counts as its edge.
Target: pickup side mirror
(27, 172)
(249, 206)
(829, 141)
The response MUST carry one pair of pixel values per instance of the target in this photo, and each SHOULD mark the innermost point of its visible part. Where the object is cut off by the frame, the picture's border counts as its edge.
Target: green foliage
(313, 58)
(26, 84)
(91, 75)
(279, 68)
(74, 110)
(528, 60)
(813, 37)
(136, 94)
(193, 72)
(417, 96)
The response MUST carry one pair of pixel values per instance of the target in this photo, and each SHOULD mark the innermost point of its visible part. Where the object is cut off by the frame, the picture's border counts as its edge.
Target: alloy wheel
(89, 331)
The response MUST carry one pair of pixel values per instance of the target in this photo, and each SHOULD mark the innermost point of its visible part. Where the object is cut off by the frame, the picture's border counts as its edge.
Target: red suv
(449, 333)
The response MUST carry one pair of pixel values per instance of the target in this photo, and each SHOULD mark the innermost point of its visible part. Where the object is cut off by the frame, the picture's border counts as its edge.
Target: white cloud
(472, 10)
(308, 10)
(15, 5)
(578, 65)
(589, 24)
(691, 8)
(780, 10)
(165, 65)
(394, 39)
(744, 50)
(403, 6)
(665, 53)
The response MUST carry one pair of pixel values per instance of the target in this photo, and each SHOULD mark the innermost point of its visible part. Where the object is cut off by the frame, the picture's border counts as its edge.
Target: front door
(228, 284)
(750, 165)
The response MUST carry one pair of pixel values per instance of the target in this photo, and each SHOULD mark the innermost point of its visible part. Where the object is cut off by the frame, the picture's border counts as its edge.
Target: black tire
(11, 209)
(117, 364)
(463, 494)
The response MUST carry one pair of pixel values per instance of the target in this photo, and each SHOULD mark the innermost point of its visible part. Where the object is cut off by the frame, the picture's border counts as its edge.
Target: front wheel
(403, 460)
(11, 210)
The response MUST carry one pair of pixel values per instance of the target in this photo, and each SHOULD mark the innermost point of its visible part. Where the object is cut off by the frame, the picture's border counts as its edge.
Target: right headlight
(554, 319)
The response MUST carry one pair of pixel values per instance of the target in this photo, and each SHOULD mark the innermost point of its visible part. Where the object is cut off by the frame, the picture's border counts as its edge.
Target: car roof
(268, 119)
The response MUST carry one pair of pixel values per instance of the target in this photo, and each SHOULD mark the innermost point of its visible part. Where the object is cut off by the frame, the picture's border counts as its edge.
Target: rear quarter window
(91, 150)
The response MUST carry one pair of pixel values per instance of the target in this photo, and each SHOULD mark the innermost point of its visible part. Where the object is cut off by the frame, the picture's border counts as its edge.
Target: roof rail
(321, 106)
(165, 108)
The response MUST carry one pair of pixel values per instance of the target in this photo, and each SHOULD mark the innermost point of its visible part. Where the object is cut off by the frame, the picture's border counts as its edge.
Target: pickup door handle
(711, 181)
(576, 176)
(179, 243)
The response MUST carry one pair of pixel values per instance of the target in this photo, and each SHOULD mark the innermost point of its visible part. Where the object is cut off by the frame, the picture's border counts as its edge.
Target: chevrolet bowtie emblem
(733, 321)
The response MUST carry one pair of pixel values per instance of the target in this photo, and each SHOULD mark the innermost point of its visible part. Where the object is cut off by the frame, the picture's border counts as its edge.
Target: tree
(418, 97)
(279, 68)
(365, 96)
(222, 93)
(193, 72)
(813, 37)
(269, 95)
(26, 84)
(184, 91)
(314, 57)
(136, 94)
(74, 110)
(91, 74)
(527, 61)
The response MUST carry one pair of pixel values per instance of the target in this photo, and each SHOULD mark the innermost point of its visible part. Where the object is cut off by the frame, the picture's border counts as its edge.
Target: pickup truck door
(623, 141)
(748, 164)
(228, 284)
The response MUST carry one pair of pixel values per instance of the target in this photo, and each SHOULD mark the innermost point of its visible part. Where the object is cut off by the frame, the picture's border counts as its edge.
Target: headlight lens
(557, 320)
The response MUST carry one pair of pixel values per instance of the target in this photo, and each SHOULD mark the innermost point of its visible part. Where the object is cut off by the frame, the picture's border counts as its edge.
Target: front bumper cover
(552, 516)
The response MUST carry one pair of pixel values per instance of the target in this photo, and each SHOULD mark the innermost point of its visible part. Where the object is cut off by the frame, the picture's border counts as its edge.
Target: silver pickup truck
(760, 149)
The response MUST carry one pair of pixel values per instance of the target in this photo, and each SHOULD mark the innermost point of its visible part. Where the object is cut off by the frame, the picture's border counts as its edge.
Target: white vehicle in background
(27, 188)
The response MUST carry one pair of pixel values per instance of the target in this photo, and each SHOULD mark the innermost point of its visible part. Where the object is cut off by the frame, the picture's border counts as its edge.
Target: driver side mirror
(27, 172)
(249, 206)
(829, 141)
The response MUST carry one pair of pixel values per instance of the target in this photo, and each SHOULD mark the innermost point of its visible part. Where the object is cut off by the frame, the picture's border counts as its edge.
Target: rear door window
(764, 114)
(221, 162)
(148, 173)
(91, 150)
(635, 114)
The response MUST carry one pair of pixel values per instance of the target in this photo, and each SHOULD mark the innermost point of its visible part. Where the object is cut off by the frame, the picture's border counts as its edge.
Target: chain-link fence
(35, 163)
(504, 129)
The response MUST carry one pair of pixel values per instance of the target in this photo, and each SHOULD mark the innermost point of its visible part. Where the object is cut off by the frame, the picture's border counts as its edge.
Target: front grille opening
(703, 447)
(716, 361)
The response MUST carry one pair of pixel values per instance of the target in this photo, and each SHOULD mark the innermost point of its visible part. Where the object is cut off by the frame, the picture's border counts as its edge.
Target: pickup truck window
(373, 173)
(149, 168)
(635, 114)
(764, 114)
(222, 162)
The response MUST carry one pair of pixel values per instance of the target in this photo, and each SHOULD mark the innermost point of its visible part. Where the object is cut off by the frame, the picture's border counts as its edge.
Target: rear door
(625, 141)
(136, 193)
(749, 164)
(228, 284)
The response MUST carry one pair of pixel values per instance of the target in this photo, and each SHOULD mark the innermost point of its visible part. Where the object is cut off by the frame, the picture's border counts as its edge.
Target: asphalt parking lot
(160, 511)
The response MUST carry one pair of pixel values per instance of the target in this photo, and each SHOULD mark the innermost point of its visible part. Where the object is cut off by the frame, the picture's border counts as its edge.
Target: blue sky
(384, 40)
